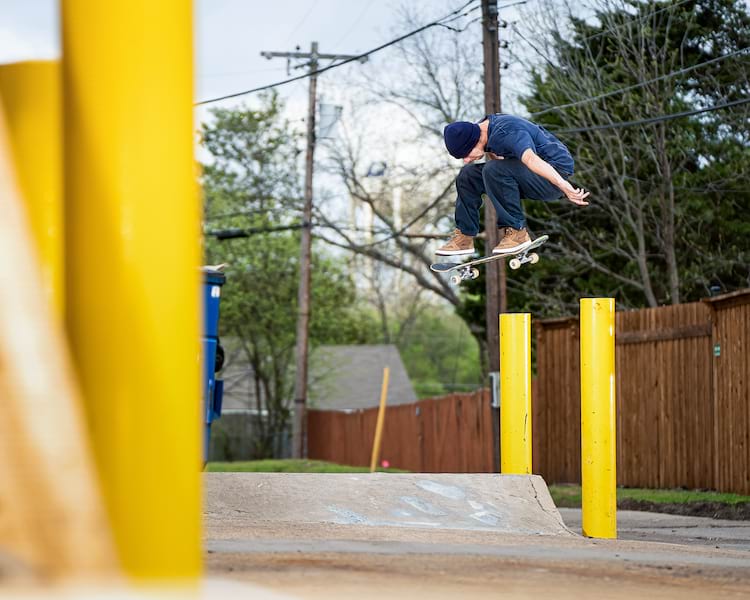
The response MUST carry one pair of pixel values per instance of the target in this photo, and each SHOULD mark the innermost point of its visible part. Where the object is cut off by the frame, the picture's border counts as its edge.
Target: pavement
(472, 502)
(673, 529)
(325, 536)
(368, 546)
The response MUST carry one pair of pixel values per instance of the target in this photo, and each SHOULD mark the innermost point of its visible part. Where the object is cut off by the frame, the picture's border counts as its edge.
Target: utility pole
(495, 273)
(299, 429)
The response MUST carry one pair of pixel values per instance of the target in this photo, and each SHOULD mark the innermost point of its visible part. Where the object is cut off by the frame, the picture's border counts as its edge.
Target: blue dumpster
(213, 353)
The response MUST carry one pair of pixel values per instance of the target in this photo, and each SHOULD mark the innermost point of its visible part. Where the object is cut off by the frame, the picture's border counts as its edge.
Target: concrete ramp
(503, 503)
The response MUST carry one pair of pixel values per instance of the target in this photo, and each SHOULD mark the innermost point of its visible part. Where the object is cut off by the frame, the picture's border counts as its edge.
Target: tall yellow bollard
(515, 393)
(598, 458)
(30, 94)
(133, 255)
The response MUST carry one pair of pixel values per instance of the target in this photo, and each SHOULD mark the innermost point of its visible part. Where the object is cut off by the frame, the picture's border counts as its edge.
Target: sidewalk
(673, 529)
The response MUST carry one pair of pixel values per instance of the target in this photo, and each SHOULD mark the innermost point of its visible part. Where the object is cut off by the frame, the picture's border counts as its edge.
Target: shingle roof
(341, 377)
(350, 377)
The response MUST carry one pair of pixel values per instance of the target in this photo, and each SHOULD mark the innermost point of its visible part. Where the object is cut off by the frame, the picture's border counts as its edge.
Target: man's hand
(493, 156)
(575, 195)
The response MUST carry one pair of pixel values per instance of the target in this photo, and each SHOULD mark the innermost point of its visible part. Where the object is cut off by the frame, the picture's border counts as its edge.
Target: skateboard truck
(468, 270)
(523, 258)
(463, 274)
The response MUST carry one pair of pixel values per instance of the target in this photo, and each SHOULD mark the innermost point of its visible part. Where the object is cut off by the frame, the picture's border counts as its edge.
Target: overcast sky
(230, 35)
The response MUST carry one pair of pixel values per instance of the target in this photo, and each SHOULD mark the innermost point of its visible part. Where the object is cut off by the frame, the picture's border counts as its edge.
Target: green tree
(251, 183)
(669, 198)
(440, 354)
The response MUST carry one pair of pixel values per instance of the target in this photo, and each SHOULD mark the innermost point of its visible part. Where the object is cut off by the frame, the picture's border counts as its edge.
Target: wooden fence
(683, 406)
(452, 434)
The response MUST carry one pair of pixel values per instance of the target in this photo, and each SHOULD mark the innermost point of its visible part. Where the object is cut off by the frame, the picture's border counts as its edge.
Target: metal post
(515, 390)
(495, 403)
(380, 422)
(133, 281)
(53, 519)
(31, 97)
(598, 418)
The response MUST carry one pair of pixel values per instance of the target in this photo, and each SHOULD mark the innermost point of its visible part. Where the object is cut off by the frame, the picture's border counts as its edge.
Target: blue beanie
(460, 138)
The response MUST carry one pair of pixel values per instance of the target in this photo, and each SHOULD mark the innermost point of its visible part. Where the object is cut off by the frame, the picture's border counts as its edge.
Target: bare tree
(631, 171)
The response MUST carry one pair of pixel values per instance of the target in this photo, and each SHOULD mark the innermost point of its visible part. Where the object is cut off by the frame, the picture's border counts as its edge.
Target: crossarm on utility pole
(299, 445)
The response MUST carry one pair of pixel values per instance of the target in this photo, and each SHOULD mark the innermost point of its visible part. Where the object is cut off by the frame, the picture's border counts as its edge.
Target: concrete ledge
(518, 504)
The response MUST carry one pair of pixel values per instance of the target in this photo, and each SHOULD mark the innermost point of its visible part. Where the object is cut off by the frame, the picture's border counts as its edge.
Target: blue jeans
(506, 182)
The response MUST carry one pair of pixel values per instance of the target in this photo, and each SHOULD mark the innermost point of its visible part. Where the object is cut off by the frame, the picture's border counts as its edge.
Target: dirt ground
(365, 577)
(714, 510)
(331, 561)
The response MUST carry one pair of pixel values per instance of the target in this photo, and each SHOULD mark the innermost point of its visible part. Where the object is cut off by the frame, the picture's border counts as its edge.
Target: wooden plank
(672, 333)
(743, 294)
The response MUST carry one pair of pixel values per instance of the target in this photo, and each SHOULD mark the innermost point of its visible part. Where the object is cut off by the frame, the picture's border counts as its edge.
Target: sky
(231, 34)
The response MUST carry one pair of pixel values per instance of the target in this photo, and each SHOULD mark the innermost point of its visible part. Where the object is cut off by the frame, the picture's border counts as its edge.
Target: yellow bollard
(598, 458)
(30, 94)
(133, 281)
(515, 393)
(380, 422)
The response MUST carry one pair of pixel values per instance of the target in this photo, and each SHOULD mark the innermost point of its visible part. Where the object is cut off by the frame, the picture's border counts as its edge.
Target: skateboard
(468, 270)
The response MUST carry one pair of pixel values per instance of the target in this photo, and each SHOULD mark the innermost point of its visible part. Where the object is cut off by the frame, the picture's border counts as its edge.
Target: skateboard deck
(468, 270)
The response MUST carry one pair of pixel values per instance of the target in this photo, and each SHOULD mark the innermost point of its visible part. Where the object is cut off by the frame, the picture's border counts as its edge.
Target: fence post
(598, 418)
(133, 280)
(515, 393)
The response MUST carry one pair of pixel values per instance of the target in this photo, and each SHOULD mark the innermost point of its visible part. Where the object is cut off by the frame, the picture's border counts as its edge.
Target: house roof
(340, 377)
(350, 377)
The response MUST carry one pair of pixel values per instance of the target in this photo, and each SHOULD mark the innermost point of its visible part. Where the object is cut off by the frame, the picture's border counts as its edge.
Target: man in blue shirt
(524, 161)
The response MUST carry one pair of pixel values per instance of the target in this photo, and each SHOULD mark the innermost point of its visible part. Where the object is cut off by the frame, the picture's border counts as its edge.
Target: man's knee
(469, 175)
(498, 168)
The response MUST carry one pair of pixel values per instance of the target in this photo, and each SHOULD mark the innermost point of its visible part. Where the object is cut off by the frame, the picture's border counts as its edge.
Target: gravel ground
(345, 561)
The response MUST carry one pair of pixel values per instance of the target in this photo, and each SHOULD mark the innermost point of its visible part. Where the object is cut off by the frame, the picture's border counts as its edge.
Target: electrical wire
(342, 62)
(608, 30)
(660, 118)
(640, 84)
(634, 19)
(301, 21)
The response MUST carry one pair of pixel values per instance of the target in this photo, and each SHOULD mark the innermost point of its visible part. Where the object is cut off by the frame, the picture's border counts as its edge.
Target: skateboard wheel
(533, 258)
(474, 273)
(455, 279)
(514, 263)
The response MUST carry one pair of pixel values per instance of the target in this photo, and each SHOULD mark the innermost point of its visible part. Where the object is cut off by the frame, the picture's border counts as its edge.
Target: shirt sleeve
(513, 142)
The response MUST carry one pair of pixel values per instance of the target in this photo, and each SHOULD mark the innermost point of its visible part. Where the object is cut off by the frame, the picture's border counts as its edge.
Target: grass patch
(288, 466)
(569, 496)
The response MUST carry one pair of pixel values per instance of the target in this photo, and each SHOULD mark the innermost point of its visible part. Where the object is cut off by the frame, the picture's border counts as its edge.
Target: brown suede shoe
(514, 241)
(458, 244)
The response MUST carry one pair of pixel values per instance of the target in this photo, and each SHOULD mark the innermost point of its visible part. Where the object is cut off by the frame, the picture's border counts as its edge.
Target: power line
(340, 63)
(640, 84)
(635, 18)
(365, 8)
(302, 20)
(230, 234)
(687, 113)
(707, 188)
(607, 30)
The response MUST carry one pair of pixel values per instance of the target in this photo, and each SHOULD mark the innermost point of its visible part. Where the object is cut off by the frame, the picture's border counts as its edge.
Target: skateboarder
(524, 161)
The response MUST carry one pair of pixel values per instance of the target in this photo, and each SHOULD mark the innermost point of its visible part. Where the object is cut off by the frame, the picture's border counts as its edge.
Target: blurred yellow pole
(598, 458)
(31, 97)
(380, 422)
(515, 393)
(52, 516)
(133, 251)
